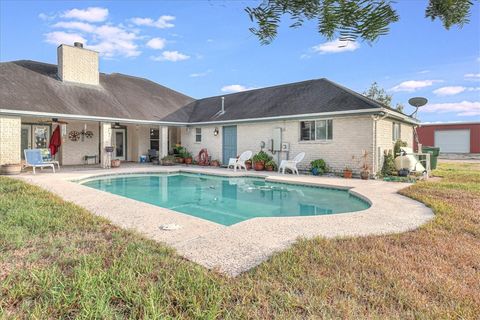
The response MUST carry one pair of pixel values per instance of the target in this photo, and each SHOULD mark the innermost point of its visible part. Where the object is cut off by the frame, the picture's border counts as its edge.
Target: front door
(120, 144)
(26, 138)
(229, 144)
(41, 136)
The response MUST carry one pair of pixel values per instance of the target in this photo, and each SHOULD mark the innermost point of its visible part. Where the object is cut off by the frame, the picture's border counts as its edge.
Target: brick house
(319, 117)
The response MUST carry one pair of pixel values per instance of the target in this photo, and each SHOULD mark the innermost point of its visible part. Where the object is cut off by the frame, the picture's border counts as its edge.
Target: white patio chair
(240, 162)
(291, 164)
(33, 158)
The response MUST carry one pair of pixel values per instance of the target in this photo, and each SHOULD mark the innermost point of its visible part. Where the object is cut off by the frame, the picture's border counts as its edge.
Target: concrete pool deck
(234, 249)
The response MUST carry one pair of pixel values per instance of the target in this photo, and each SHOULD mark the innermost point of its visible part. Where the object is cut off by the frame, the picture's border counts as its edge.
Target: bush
(320, 165)
(396, 148)
(388, 168)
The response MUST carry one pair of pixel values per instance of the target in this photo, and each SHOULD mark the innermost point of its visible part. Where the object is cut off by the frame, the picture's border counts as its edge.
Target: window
(198, 134)
(154, 139)
(316, 130)
(396, 131)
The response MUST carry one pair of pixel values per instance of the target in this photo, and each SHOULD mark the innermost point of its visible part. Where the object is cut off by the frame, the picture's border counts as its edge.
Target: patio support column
(10, 141)
(163, 139)
(105, 141)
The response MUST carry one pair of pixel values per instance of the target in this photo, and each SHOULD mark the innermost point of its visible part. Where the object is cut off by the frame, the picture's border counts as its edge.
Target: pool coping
(237, 248)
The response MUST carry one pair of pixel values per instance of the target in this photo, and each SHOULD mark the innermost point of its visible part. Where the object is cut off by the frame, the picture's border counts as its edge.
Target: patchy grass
(59, 261)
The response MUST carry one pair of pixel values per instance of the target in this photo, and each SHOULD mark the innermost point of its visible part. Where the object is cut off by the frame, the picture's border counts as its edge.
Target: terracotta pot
(115, 163)
(11, 169)
(269, 168)
(215, 163)
(188, 160)
(365, 175)
(180, 160)
(258, 166)
(248, 165)
(347, 174)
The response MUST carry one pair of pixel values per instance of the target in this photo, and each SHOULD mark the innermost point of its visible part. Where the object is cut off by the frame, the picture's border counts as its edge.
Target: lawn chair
(33, 158)
(291, 164)
(240, 162)
(47, 157)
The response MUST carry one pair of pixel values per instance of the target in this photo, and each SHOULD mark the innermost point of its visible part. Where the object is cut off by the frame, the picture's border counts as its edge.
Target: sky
(205, 48)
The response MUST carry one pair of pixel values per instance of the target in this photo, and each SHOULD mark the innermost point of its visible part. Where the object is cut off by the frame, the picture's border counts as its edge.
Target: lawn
(59, 261)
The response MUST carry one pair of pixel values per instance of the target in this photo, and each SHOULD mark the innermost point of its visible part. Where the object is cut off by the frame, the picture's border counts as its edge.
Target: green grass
(59, 261)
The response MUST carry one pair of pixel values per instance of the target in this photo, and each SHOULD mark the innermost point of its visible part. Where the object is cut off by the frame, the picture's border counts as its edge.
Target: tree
(348, 19)
(379, 94)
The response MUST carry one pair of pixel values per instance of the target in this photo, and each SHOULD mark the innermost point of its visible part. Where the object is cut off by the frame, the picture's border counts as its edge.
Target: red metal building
(451, 137)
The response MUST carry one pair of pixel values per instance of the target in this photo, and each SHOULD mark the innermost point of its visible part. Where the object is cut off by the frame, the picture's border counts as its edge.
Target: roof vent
(222, 111)
(78, 44)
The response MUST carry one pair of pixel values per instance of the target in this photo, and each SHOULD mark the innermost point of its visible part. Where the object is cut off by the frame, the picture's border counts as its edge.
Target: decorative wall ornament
(89, 134)
(74, 135)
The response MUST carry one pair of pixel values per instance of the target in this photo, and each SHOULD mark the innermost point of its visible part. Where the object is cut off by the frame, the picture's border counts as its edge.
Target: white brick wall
(77, 65)
(350, 136)
(72, 152)
(10, 132)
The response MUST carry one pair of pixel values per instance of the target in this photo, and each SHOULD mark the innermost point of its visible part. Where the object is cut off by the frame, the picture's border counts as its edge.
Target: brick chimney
(77, 64)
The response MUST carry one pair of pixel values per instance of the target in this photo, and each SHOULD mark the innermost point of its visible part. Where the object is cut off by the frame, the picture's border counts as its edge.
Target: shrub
(397, 146)
(320, 165)
(388, 167)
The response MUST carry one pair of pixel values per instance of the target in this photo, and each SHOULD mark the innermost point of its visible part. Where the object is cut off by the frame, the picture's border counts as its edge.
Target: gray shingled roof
(301, 98)
(34, 86)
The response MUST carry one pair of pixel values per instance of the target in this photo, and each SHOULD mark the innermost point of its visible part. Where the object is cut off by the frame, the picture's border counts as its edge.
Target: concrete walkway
(237, 248)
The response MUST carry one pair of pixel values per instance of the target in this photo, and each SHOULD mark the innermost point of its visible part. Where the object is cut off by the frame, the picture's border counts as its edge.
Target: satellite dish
(417, 102)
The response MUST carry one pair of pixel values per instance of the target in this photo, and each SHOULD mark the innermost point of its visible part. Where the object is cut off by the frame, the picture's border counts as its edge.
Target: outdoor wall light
(215, 132)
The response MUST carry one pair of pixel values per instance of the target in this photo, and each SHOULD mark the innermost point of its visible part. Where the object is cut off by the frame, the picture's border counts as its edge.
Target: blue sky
(204, 48)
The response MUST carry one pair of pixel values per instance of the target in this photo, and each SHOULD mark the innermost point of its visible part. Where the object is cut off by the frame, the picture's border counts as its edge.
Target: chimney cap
(78, 44)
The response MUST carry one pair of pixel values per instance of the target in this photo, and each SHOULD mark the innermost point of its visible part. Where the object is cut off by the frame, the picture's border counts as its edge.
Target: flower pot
(258, 166)
(315, 171)
(215, 163)
(347, 174)
(188, 160)
(364, 175)
(248, 165)
(115, 163)
(269, 168)
(11, 169)
(180, 160)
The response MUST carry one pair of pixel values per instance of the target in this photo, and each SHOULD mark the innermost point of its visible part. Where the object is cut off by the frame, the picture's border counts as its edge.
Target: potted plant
(347, 172)
(187, 156)
(11, 168)
(215, 163)
(259, 160)
(270, 165)
(365, 167)
(168, 161)
(180, 158)
(115, 163)
(178, 149)
(318, 167)
(248, 164)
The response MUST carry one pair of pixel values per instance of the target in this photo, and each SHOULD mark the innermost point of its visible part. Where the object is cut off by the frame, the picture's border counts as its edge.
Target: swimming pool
(229, 200)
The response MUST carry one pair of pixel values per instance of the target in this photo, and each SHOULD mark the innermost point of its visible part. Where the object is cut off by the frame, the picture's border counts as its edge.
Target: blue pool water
(228, 200)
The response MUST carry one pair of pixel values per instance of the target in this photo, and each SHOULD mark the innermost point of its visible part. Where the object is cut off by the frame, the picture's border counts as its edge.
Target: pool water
(229, 200)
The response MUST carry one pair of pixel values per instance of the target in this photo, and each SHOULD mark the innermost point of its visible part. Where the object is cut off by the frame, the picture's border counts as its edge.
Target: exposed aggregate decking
(237, 248)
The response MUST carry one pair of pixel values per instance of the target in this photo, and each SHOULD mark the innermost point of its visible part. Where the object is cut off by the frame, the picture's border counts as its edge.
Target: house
(460, 137)
(96, 110)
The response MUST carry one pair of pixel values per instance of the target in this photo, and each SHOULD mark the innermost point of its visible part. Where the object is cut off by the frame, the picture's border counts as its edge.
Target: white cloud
(464, 108)
(82, 26)
(59, 37)
(449, 91)
(162, 23)
(336, 46)
(92, 14)
(173, 56)
(200, 74)
(413, 85)
(115, 41)
(304, 56)
(156, 43)
(235, 88)
(472, 76)
(424, 71)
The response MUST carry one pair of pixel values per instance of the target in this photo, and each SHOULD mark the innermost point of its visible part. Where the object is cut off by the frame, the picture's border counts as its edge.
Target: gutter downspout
(375, 119)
